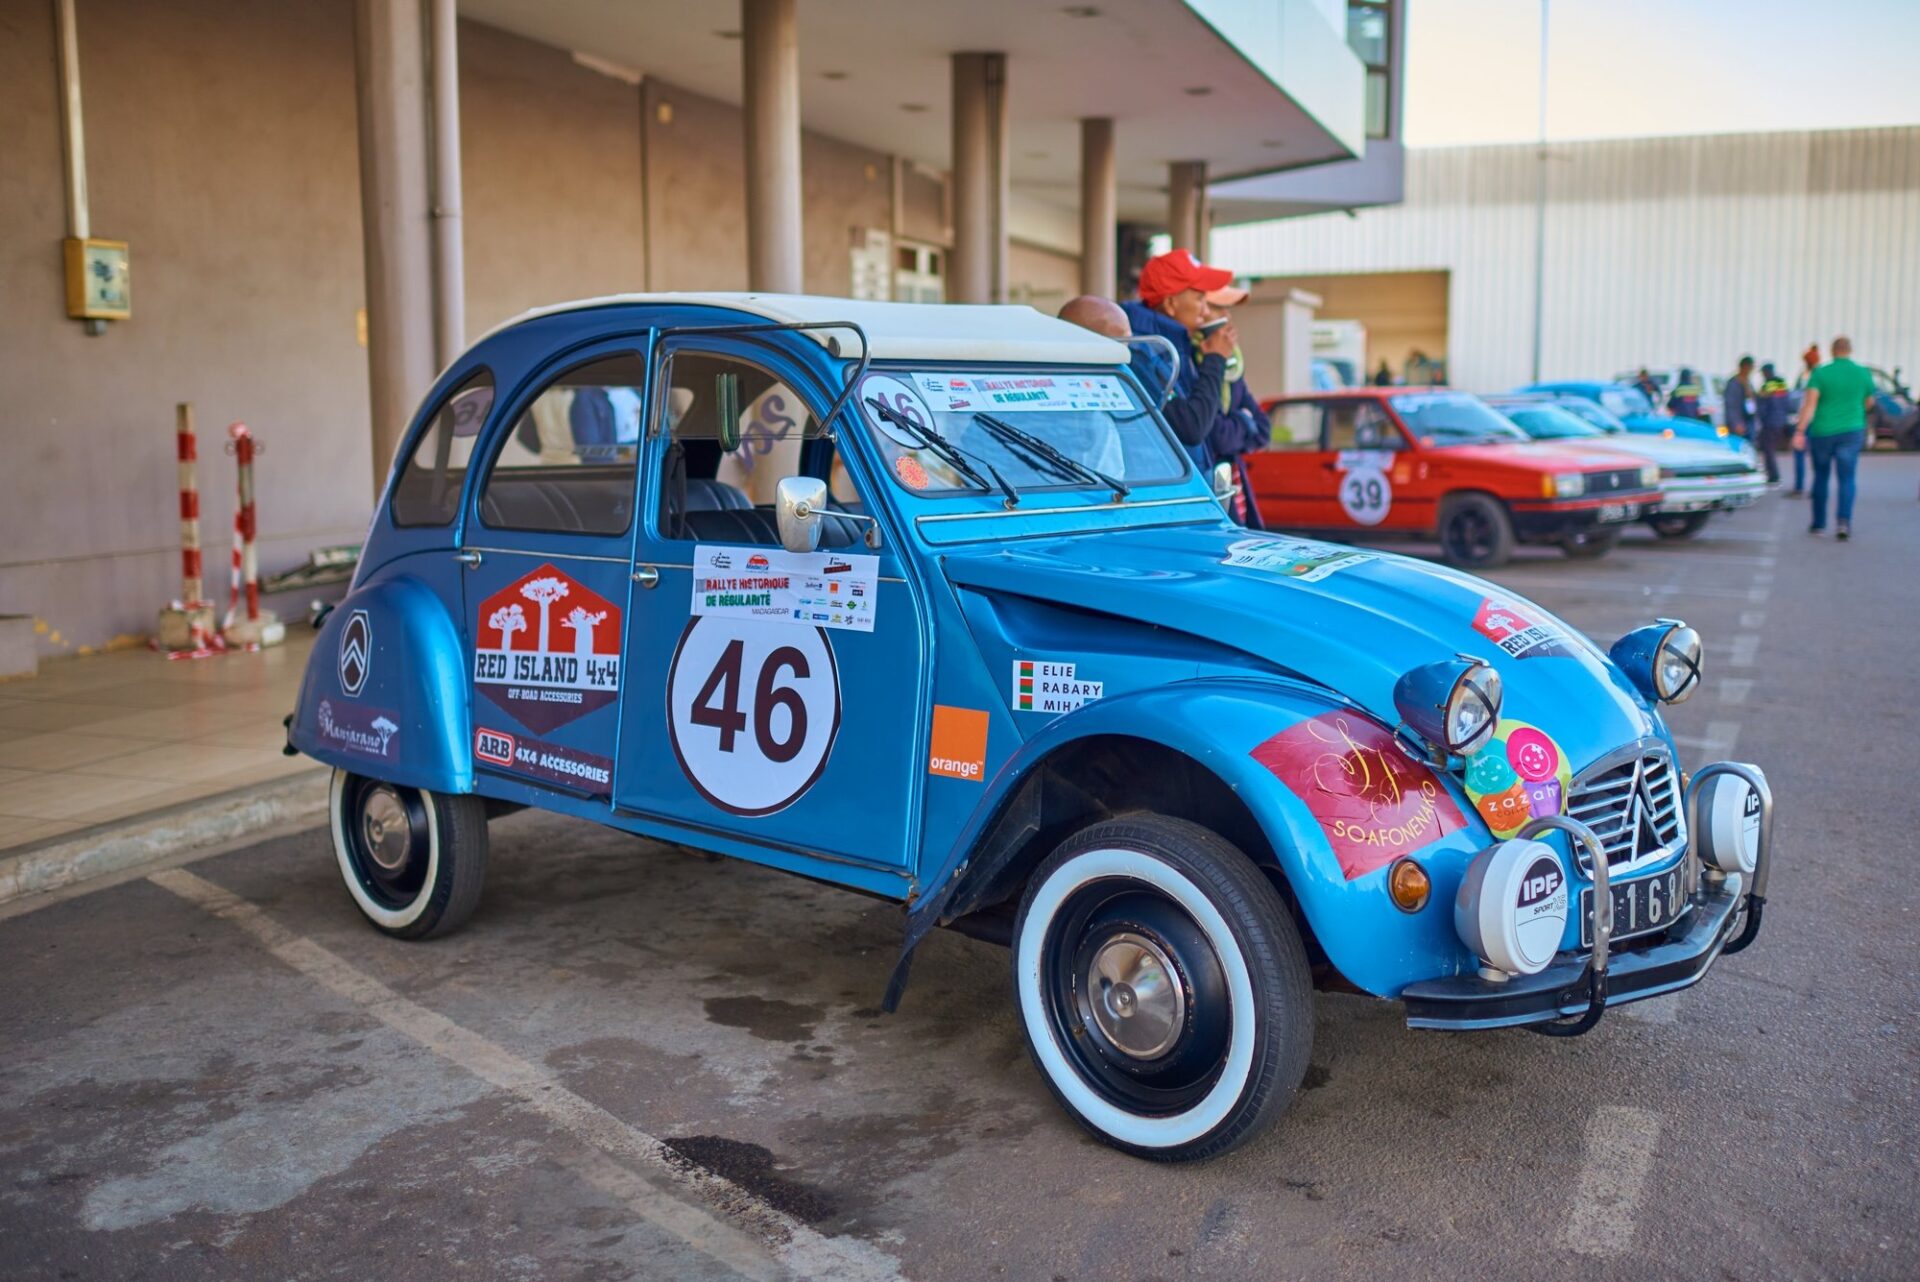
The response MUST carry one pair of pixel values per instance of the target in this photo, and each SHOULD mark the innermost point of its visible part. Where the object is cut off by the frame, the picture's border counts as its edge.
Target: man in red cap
(1173, 303)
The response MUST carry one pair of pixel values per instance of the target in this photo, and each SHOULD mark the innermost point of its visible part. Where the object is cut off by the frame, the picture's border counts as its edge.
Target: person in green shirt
(1833, 430)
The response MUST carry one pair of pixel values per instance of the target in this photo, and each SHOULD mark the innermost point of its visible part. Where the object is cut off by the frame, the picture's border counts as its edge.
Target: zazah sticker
(1374, 802)
(1040, 685)
(547, 649)
(1521, 774)
(1366, 495)
(753, 708)
(1519, 632)
(1301, 559)
(900, 397)
(356, 653)
(814, 589)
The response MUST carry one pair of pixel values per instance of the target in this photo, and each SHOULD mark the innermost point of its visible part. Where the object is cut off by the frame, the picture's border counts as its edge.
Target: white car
(1712, 404)
(1696, 480)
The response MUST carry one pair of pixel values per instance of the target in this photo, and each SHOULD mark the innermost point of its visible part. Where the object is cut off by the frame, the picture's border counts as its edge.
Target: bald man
(1101, 315)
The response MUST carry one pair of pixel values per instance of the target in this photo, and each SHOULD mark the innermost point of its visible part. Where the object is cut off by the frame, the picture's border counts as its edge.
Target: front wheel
(1475, 531)
(1592, 544)
(413, 860)
(1163, 988)
(1679, 525)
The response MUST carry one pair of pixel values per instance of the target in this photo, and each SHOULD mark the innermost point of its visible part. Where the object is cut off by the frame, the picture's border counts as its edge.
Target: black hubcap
(1135, 994)
(1470, 535)
(387, 839)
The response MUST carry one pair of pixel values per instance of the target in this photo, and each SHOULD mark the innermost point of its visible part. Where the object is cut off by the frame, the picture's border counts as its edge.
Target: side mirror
(1225, 484)
(797, 504)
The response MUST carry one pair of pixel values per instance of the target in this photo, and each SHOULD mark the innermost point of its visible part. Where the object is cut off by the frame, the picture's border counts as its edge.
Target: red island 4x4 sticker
(1374, 802)
(547, 649)
(1517, 631)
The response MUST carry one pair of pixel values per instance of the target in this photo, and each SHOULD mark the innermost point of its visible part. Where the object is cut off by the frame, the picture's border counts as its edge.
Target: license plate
(1612, 512)
(1739, 500)
(1639, 907)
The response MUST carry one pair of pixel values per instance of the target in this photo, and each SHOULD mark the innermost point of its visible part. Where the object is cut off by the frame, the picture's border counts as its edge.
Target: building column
(770, 70)
(1186, 204)
(390, 67)
(1097, 226)
(977, 268)
(449, 261)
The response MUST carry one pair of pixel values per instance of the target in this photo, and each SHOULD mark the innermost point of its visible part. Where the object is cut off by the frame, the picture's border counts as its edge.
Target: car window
(428, 491)
(1358, 425)
(735, 430)
(1454, 418)
(1296, 425)
(1548, 422)
(1622, 401)
(568, 464)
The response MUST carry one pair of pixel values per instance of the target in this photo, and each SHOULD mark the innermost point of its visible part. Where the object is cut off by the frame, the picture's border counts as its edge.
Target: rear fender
(385, 692)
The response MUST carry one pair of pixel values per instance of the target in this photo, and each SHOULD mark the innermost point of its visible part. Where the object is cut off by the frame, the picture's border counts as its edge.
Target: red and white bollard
(258, 628)
(186, 628)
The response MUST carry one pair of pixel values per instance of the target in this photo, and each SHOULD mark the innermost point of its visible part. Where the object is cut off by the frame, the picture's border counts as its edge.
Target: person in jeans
(1739, 407)
(1833, 430)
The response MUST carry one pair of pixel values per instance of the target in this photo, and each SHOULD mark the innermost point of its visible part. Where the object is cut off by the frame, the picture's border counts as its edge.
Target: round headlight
(1453, 705)
(1676, 664)
(1472, 710)
(1729, 838)
(1512, 907)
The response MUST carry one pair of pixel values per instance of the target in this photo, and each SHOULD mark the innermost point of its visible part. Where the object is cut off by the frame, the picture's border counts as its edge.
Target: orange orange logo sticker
(959, 743)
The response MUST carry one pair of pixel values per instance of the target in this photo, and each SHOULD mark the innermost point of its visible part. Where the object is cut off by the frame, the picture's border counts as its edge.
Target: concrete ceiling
(875, 72)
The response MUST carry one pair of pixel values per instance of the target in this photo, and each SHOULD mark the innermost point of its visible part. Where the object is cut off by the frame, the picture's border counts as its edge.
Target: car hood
(1535, 456)
(1348, 619)
(1676, 452)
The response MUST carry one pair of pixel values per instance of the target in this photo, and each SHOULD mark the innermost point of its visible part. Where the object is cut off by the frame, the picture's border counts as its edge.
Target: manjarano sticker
(1041, 685)
(1374, 802)
(547, 649)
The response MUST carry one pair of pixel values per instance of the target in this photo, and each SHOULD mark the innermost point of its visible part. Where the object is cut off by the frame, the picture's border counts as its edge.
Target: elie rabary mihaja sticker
(547, 649)
(812, 589)
(1047, 685)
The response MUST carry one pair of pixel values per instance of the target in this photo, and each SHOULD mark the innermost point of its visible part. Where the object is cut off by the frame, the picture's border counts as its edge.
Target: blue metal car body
(1197, 648)
(1631, 406)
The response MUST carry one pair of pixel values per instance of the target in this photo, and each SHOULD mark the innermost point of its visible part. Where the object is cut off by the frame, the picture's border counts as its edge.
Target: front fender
(400, 712)
(1219, 723)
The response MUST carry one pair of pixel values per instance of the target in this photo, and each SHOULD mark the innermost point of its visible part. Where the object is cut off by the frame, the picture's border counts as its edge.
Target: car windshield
(1549, 422)
(1622, 401)
(945, 431)
(1588, 412)
(1454, 418)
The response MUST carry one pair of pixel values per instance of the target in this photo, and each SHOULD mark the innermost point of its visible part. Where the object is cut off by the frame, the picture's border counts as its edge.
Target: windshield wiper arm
(1007, 432)
(931, 439)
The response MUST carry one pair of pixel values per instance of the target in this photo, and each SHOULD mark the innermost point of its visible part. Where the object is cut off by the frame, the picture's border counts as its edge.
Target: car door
(1285, 476)
(774, 693)
(548, 550)
(1361, 448)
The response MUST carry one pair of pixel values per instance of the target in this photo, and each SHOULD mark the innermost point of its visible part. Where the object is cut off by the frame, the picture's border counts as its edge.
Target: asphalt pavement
(638, 1062)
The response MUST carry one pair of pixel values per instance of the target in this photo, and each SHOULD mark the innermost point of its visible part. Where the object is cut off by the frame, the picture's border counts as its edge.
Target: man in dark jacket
(1776, 421)
(1173, 304)
(1737, 405)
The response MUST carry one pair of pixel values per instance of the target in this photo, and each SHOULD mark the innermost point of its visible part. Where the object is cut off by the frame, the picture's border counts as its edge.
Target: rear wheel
(1475, 531)
(1593, 543)
(1678, 525)
(413, 860)
(1163, 988)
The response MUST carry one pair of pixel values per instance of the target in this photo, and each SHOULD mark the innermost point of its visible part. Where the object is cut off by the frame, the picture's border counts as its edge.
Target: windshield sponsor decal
(357, 728)
(753, 709)
(1372, 799)
(1024, 393)
(911, 474)
(900, 397)
(1521, 633)
(1301, 559)
(813, 589)
(959, 743)
(547, 649)
(1366, 493)
(1521, 774)
(356, 653)
(1042, 685)
(548, 762)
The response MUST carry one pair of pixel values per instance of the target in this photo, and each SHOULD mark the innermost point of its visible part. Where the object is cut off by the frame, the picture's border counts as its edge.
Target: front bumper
(1707, 494)
(1549, 519)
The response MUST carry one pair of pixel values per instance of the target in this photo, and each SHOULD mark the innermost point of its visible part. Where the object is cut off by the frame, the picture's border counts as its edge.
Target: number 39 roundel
(753, 707)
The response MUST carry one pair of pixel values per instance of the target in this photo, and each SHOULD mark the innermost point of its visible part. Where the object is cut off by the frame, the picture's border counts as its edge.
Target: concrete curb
(146, 838)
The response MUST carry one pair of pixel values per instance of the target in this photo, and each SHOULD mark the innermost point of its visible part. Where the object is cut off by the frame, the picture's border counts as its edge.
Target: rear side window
(428, 492)
(568, 465)
(1296, 426)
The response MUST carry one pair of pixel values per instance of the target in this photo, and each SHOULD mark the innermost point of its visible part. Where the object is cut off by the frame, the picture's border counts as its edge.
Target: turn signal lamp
(1409, 886)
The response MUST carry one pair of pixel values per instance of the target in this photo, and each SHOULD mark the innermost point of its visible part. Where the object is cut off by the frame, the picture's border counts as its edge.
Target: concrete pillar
(390, 67)
(770, 71)
(449, 261)
(1186, 202)
(1097, 225)
(977, 268)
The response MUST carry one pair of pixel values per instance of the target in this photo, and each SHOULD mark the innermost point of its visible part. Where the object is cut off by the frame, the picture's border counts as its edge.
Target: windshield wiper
(1009, 434)
(931, 439)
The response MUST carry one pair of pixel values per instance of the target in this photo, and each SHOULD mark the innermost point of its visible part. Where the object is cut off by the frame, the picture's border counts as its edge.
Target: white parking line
(613, 1146)
(1746, 648)
(1613, 1176)
(1753, 620)
(1734, 690)
(1718, 741)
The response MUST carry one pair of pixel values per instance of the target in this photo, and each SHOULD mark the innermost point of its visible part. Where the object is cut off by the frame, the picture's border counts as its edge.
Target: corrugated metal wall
(1659, 250)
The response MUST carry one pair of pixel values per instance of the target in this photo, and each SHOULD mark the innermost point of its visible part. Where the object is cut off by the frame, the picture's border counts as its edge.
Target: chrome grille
(1613, 481)
(1631, 799)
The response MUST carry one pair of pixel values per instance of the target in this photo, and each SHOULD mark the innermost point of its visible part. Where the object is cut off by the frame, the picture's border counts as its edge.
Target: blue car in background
(927, 602)
(1630, 405)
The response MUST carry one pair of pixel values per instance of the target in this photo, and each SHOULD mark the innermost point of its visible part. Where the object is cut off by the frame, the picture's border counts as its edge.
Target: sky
(1620, 68)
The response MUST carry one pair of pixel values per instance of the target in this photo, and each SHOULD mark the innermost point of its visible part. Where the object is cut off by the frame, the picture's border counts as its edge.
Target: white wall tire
(1213, 971)
(412, 860)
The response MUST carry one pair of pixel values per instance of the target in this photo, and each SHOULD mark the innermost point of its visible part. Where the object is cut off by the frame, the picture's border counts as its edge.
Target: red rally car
(1441, 464)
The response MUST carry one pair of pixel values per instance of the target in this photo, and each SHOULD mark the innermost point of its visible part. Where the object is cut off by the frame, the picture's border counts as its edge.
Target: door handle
(647, 577)
(467, 558)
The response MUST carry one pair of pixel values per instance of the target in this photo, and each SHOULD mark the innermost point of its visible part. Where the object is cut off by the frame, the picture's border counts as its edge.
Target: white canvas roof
(901, 331)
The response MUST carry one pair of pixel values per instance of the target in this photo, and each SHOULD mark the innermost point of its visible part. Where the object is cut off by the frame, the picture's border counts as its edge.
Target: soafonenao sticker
(1521, 774)
(1374, 802)
(1045, 685)
(1301, 559)
(547, 649)
(1519, 632)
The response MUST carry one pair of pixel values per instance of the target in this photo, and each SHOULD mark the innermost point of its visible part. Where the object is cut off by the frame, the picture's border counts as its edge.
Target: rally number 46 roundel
(753, 707)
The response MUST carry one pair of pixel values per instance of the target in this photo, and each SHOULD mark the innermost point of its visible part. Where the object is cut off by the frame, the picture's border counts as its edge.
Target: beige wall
(1041, 278)
(1404, 312)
